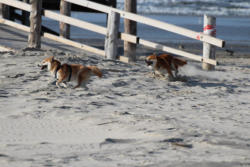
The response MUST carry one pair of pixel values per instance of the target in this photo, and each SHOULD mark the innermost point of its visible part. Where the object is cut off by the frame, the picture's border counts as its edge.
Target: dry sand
(127, 118)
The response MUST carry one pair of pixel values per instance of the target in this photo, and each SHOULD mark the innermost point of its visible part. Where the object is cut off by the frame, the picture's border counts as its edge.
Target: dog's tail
(179, 62)
(96, 71)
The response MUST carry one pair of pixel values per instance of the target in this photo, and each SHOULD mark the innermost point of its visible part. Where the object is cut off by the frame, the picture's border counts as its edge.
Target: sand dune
(126, 118)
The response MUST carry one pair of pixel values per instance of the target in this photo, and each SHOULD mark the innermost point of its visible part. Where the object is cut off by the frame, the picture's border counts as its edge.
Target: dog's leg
(176, 73)
(64, 85)
(176, 70)
(57, 84)
(170, 74)
(84, 85)
(79, 82)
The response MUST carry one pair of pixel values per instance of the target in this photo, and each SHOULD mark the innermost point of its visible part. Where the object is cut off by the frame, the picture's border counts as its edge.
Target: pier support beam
(208, 49)
(65, 9)
(111, 41)
(25, 16)
(4, 11)
(34, 40)
(130, 28)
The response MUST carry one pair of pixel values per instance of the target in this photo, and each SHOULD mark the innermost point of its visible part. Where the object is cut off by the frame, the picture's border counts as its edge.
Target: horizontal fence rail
(17, 4)
(54, 37)
(152, 22)
(122, 36)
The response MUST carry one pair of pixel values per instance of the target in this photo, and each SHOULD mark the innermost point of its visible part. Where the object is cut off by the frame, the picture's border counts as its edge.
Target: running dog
(69, 72)
(165, 63)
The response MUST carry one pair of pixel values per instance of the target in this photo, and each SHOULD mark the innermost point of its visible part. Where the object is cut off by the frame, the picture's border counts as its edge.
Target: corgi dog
(69, 72)
(165, 64)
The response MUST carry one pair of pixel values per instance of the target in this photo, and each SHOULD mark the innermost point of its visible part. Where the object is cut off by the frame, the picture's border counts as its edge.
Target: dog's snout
(43, 67)
(148, 62)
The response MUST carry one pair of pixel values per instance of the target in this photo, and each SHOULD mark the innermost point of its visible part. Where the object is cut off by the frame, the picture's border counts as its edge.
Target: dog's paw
(57, 84)
(64, 85)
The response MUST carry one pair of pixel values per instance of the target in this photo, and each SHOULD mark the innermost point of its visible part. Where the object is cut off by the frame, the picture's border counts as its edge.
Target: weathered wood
(75, 22)
(124, 59)
(130, 28)
(34, 40)
(75, 44)
(55, 38)
(65, 9)
(152, 22)
(111, 40)
(25, 15)
(15, 25)
(48, 30)
(208, 49)
(131, 38)
(123, 36)
(17, 4)
(4, 11)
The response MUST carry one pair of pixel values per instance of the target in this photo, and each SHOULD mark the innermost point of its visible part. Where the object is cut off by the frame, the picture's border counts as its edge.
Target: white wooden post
(208, 49)
(34, 40)
(111, 41)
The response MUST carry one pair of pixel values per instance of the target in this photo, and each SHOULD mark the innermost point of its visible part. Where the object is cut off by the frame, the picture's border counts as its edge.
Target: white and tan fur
(70, 72)
(164, 64)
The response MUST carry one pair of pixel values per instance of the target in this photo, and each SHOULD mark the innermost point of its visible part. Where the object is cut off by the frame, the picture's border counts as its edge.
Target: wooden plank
(65, 9)
(152, 22)
(91, 5)
(154, 45)
(124, 59)
(25, 15)
(175, 51)
(4, 11)
(131, 16)
(130, 27)
(124, 36)
(6, 49)
(129, 38)
(34, 39)
(75, 44)
(75, 22)
(15, 25)
(55, 38)
(111, 41)
(17, 4)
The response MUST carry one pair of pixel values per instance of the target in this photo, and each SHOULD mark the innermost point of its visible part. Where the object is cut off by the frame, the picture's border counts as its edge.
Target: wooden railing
(205, 38)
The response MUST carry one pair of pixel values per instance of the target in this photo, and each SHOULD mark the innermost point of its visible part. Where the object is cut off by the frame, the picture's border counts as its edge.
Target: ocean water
(192, 7)
(233, 19)
(233, 29)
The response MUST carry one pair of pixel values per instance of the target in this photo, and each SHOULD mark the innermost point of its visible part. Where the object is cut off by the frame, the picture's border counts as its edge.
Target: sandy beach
(127, 118)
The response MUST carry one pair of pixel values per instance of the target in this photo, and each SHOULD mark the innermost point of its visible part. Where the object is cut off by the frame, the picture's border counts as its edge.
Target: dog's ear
(52, 58)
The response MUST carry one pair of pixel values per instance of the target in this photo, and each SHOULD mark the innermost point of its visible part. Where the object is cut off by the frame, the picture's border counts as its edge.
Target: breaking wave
(192, 7)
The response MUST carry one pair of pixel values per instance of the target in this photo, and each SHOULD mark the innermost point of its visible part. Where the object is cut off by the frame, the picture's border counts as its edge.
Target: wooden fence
(112, 30)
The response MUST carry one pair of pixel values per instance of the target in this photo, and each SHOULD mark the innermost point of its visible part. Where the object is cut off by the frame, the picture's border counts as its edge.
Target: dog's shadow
(193, 81)
(209, 83)
(178, 78)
